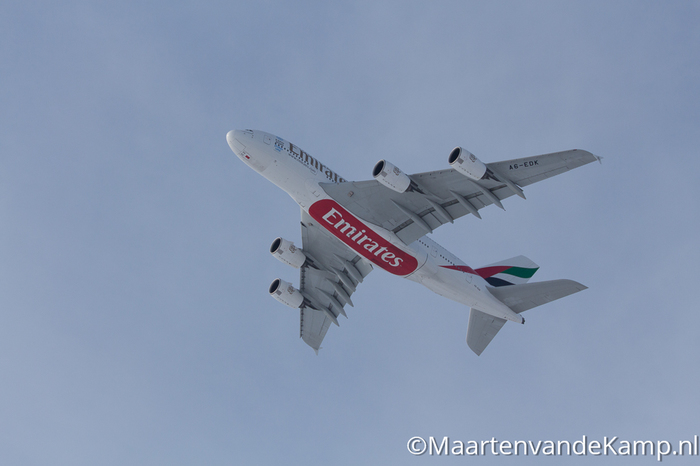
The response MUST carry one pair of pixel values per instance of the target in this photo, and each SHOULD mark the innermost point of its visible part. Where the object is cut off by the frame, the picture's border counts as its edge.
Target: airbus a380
(348, 228)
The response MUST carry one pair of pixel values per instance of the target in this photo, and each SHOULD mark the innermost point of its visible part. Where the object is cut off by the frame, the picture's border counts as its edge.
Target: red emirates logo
(361, 238)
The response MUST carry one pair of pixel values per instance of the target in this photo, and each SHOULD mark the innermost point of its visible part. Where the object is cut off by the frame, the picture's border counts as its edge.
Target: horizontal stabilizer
(482, 328)
(528, 295)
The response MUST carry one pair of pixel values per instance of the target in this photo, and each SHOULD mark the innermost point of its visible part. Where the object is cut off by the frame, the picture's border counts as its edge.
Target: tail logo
(504, 275)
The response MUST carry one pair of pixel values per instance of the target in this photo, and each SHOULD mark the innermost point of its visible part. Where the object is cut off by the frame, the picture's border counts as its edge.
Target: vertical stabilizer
(513, 271)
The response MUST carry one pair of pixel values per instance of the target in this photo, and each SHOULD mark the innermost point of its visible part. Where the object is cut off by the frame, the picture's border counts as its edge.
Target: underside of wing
(446, 195)
(329, 277)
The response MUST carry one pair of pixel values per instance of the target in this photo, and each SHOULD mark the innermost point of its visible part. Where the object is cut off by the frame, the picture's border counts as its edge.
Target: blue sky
(136, 325)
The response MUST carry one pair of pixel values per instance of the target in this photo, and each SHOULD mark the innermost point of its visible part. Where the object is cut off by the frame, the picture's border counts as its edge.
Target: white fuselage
(423, 261)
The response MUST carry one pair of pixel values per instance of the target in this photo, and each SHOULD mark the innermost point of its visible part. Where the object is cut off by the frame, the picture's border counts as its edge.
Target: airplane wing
(327, 280)
(447, 194)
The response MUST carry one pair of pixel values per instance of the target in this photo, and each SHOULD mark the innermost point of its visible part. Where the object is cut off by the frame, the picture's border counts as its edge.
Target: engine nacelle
(391, 176)
(467, 164)
(285, 293)
(286, 252)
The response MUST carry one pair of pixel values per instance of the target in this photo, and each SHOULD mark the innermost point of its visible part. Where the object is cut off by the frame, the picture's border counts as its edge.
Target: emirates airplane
(350, 227)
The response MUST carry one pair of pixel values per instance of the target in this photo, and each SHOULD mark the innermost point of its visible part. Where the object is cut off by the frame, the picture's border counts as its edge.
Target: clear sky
(135, 323)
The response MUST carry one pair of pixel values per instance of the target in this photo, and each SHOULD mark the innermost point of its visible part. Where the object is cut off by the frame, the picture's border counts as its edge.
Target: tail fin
(513, 271)
(483, 327)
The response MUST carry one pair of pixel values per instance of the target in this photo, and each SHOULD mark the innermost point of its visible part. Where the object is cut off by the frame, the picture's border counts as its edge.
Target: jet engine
(285, 293)
(467, 164)
(391, 176)
(286, 252)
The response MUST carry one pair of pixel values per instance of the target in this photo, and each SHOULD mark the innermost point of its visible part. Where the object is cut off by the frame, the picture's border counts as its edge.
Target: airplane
(350, 227)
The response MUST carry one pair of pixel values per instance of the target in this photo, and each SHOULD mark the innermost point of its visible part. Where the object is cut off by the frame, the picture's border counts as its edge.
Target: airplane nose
(230, 136)
(233, 138)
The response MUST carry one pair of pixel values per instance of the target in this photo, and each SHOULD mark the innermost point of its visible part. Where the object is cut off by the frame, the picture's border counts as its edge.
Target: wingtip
(476, 351)
(597, 157)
